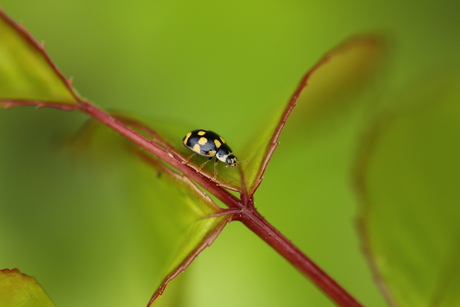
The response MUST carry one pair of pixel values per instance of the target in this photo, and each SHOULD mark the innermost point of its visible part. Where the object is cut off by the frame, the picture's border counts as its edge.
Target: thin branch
(273, 143)
(362, 160)
(7, 104)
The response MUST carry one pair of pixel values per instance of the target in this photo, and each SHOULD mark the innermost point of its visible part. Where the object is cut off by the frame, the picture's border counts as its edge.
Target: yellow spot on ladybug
(223, 141)
(201, 133)
(218, 144)
(187, 137)
(202, 141)
(196, 148)
(211, 153)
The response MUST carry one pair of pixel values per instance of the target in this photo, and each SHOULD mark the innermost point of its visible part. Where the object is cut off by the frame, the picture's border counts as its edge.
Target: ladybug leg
(215, 169)
(188, 159)
(202, 165)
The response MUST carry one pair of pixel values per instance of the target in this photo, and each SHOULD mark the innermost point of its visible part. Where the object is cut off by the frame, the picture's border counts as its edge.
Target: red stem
(254, 221)
(248, 214)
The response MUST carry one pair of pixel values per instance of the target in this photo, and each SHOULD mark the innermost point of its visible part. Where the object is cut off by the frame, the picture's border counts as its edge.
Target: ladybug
(209, 144)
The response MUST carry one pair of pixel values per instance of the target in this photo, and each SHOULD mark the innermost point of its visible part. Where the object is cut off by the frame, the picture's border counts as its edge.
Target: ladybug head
(231, 160)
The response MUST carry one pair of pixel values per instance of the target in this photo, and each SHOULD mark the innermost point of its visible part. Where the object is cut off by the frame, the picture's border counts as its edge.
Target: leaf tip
(10, 271)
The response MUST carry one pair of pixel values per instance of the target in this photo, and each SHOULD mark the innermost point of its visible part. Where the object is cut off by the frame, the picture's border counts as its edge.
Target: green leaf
(199, 235)
(408, 181)
(17, 289)
(176, 208)
(323, 91)
(26, 72)
(182, 209)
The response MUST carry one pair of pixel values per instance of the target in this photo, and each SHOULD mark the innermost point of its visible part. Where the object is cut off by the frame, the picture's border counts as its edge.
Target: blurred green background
(223, 66)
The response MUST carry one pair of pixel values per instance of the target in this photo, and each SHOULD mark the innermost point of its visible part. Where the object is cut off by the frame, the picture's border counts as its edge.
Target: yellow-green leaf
(26, 72)
(409, 174)
(329, 85)
(182, 213)
(17, 289)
